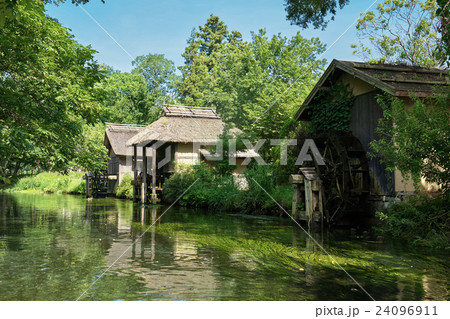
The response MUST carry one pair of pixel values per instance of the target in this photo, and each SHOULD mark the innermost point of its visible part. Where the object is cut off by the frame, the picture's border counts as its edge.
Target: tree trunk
(16, 169)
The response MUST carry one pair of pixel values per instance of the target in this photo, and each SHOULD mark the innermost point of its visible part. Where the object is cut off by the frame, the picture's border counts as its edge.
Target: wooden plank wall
(364, 119)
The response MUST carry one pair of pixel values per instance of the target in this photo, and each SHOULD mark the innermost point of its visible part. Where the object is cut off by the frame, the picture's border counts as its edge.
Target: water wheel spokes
(345, 176)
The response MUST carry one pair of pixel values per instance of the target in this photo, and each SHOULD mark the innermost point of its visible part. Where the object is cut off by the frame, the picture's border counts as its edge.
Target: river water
(64, 247)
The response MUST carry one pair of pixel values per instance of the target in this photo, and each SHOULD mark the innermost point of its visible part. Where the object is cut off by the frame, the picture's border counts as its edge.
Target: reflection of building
(116, 136)
(170, 266)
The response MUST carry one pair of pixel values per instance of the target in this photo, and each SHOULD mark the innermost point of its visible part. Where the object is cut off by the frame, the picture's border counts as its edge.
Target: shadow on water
(53, 247)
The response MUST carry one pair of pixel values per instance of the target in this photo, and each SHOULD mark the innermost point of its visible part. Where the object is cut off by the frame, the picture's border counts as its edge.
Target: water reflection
(52, 247)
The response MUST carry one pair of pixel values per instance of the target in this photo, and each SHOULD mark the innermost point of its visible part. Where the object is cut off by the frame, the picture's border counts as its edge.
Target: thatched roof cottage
(173, 139)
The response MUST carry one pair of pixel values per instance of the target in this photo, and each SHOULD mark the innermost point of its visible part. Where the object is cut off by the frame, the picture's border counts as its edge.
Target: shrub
(76, 186)
(420, 221)
(125, 189)
(219, 192)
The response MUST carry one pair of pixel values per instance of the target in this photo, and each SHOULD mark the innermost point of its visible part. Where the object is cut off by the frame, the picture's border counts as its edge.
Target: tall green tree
(137, 97)
(47, 90)
(126, 99)
(255, 85)
(205, 47)
(315, 12)
(159, 74)
(400, 31)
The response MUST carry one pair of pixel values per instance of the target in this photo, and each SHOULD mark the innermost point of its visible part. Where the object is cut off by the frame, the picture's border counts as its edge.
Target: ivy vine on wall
(331, 109)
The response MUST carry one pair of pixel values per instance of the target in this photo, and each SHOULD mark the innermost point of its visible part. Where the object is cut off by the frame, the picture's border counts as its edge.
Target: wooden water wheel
(345, 177)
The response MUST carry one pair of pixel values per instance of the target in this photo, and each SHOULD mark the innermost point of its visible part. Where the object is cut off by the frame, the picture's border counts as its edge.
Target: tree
(418, 143)
(306, 12)
(259, 85)
(91, 154)
(159, 74)
(137, 97)
(10, 9)
(126, 99)
(205, 46)
(401, 31)
(47, 84)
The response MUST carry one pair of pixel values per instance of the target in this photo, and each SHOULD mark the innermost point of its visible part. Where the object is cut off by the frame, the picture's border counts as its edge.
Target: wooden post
(135, 184)
(308, 201)
(144, 176)
(297, 200)
(88, 186)
(154, 170)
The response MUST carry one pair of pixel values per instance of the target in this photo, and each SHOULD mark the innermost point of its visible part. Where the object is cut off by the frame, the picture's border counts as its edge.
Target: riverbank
(51, 182)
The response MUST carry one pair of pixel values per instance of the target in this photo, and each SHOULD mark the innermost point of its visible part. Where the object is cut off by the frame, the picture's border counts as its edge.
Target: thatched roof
(180, 124)
(190, 111)
(116, 136)
(397, 80)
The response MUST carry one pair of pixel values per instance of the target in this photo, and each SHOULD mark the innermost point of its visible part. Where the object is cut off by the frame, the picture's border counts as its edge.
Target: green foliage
(71, 183)
(260, 180)
(137, 97)
(401, 31)
(331, 111)
(245, 81)
(220, 192)
(201, 57)
(185, 176)
(126, 99)
(159, 74)
(303, 13)
(10, 10)
(231, 141)
(125, 189)
(295, 131)
(260, 84)
(91, 153)
(420, 221)
(422, 138)
(47, 84)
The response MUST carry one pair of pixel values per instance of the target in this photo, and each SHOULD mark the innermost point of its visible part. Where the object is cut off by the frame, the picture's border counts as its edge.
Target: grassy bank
(71, 183)
(420, 221)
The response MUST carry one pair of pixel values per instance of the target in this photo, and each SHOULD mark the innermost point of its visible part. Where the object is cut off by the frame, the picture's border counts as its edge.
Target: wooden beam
(135, 185)
(309, 208)
(144, 175)
(154, 170)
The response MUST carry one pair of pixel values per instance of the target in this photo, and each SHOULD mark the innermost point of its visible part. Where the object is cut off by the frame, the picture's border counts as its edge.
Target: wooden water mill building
(172, 140)
(356, 175)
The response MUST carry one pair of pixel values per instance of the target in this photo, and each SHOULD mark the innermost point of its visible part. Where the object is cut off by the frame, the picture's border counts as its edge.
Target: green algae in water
(52, 247)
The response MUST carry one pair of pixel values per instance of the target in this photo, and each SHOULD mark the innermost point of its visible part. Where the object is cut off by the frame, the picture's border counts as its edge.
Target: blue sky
(149, 26)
